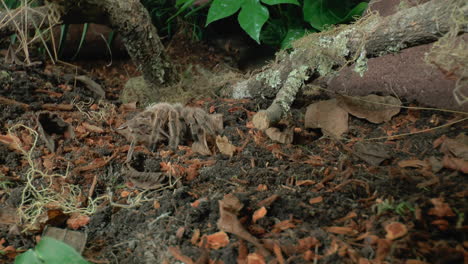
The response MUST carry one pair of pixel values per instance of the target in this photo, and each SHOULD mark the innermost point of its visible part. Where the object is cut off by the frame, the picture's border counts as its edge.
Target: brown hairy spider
(171, 123)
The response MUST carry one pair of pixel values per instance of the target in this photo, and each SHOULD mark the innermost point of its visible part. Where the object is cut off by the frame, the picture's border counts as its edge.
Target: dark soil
(354, 201)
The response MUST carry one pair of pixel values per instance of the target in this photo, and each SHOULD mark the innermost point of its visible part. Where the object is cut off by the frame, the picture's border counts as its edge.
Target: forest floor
(316, 200)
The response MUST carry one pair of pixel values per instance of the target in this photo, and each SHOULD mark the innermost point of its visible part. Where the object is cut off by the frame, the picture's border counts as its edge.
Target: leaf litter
(251, 196)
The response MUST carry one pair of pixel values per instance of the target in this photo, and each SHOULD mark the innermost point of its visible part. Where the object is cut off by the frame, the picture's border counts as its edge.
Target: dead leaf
(8, 215)
(255, 258)
(283, 225)
(374, 108)
(77, 220)
(383, 249)
(259, 214)
(201, 148)
(442, 224)
(440, 209)
(92, 128)
(225, 146)
(315, 200)
(11, 141)
(283, 137)
(216, 241)
(455, 164)
(268, 201)
(457, 147)
(395, 230)
(328, 116)
(175, 252)
(228, 221)
(372, 152)
(278, 254)
(305, 182)
(342, 230)
(195, 236)
(414, 163)
(180, 232)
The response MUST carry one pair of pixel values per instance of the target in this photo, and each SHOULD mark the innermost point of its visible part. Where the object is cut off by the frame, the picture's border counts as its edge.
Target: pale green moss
(270, 78)
(361, 64)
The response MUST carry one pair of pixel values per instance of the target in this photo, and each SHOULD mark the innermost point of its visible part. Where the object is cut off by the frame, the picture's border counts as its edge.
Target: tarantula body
(171, 123)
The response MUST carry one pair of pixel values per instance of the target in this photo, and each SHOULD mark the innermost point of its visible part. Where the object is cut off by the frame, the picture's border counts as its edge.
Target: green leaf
(29, 257)
(222, 8)
(292, 35)
(51, 251)
(276, 2)
(320, 13)
(252, 17)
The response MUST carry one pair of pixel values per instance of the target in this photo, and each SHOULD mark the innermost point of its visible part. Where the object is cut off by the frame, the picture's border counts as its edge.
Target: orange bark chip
(255, 258)
(395, 230)
(259, 214)
(216, 240)
(341, 230)
(440, 209)
(316, 200)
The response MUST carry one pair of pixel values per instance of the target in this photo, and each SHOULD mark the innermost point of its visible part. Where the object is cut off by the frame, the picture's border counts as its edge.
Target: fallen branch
(321, 54)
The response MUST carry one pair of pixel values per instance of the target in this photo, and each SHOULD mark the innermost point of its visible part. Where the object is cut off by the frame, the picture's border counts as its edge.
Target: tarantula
(173, 123)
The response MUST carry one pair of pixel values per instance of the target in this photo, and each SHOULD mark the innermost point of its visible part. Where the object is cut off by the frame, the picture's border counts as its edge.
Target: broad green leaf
(28, 257)
(222, 8)
(292, 35)
(320, 13)
(276, 2)
(57, 252)
(252, 17)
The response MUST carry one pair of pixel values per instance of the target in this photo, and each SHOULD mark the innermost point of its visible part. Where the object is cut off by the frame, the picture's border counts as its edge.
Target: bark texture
(128, 18)
(411, 27)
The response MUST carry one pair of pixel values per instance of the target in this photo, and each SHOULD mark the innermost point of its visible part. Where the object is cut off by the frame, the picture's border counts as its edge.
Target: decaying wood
(411, 27)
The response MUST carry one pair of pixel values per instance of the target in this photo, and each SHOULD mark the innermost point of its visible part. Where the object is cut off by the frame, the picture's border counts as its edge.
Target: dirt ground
(317, 200)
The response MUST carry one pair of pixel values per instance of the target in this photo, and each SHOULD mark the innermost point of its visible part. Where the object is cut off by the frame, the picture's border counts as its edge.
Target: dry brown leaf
(77, 220)
(180, 232)
(383, 249)
(283, 225)
(395, 230)
(374, 108)
(278, 254)
(201, 148)
(195, 236)
(92, 128)
(315, 200)
(228, 221)
(342, 230)
(440, 209)
(328, 116)
(458, 147)
(11, 141)
(455, 164)
(414, 163)
(216, 241)
(305, 182)
(283, 137)
(255, 258)
(259, 214)
(268, 201)
(442, 224)
(225, 146)
(175, 252)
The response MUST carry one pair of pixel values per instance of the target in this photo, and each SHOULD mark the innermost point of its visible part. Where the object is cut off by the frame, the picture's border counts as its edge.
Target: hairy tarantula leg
(174, 130)
(130, 151)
